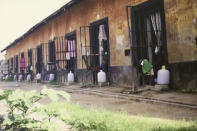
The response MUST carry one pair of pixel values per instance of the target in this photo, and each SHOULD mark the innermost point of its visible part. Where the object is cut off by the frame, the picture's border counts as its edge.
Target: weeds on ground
(22, 105)
(52, 82)
(9, 78)
(103, 120)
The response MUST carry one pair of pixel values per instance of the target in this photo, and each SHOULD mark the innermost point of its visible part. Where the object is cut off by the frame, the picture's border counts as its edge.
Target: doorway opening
(52, 54)
(39, 61)
(22, 63)
(12, 65)
(30, 58)
(71, 53)
(99, 47)
(95, 50)
(148, 37)
(30, 62)
(16, 64)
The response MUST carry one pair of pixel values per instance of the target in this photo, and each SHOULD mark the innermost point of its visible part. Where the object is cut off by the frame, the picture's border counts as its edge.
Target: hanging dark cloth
(39, 67)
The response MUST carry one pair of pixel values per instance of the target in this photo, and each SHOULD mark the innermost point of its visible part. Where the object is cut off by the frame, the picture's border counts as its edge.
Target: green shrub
(103, 120)
(52, 82)
(80, 118)
(22, 104)
(9, 78)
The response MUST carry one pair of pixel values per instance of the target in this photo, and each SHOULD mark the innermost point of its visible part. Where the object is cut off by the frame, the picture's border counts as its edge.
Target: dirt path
(134, 107)
(114, 104)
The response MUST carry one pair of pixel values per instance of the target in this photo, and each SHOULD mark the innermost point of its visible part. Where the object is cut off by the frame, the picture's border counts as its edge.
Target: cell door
(71, 52)
(22, 63)
(12, 65)
(99, 47)
(30, 57)
(39, 61)
(52, 51)
(16, 68)
(148, 37)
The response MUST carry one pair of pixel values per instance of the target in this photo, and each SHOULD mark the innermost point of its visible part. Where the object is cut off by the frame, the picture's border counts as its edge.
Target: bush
(52, 82)
(9, 78)
(103, 120)
(22, 105)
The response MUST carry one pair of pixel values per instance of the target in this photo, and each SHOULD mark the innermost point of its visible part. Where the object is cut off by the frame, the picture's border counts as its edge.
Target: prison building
(85, 36)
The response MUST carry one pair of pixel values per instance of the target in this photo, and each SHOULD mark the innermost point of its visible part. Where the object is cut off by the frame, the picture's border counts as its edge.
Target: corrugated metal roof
(37, 26)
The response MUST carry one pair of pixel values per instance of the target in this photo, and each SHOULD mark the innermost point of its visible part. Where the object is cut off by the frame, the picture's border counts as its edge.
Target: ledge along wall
(181, 23)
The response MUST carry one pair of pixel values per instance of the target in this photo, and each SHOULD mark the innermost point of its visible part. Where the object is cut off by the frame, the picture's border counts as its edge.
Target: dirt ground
(134, 107)
(114, 104)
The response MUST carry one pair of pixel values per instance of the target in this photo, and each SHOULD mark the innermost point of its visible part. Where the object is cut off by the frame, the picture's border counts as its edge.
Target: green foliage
(22, 107)
(52, 82)
(55, 95)
(5, 94)
(22, 104)
(102, 120)
(9, 78)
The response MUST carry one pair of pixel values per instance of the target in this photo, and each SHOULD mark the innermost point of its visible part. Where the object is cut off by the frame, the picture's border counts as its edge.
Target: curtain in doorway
(156, 22)
(71, 48)
(22, 64)
(71, 55)
(149, 40)
(102, 37)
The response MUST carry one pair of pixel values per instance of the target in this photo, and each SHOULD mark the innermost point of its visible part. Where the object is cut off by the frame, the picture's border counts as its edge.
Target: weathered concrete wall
(181, 22)
(83, 14)
(184, 76)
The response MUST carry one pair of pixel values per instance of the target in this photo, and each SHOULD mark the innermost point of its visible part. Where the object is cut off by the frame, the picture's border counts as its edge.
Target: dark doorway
(52, 53)
(16, 64)
(12, 65)
(52, 56)
(39, 61)
(22, 55)
(22, 63)
(99, 47)
(30, 62)
(149, 37)
(8, 65)
(30, 57)
(71, 52)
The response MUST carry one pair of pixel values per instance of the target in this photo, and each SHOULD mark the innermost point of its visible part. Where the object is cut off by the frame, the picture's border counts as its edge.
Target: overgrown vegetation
(23, 104)
(103, 120)
(9, 78)
(25, 114)
(53, 82)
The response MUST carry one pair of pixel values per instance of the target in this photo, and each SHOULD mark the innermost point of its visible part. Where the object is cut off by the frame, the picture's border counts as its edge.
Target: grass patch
(9, 78)
(52, 82)
(103, 120)
(24, 114)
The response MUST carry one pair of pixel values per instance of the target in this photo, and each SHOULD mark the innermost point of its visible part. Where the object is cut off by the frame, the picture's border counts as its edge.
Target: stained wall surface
(181, 27)
(181, 22)
(83, 14)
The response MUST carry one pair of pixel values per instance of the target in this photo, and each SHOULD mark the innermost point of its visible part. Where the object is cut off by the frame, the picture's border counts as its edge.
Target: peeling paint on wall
(181, 24)
(119, 42)
(97, 16)
(83, 14)
(181, 29)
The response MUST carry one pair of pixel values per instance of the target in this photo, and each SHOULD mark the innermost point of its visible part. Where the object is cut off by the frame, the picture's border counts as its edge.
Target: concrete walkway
(171, 96)
(187, 98)
(84, 97)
